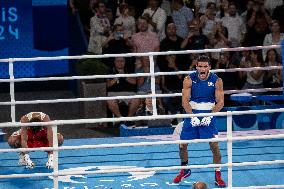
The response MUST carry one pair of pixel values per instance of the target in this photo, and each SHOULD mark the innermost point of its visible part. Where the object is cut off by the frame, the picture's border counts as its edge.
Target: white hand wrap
(195, 121)
(24, 159)
(206, 121)
(49, 163)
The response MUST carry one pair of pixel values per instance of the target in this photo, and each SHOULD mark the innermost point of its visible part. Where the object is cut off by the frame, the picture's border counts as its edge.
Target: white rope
(136, 74)
(103, 120)
(260, 90)
(141, 54)
(156, 143)
(126, 170)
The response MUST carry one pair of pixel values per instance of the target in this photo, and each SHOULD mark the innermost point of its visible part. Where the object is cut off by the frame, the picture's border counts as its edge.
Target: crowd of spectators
(125, 26)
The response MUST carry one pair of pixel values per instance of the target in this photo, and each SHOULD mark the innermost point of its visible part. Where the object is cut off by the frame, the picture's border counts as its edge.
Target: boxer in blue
(202, 93)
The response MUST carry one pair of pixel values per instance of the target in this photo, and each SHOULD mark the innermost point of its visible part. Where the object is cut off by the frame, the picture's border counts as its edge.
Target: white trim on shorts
(201, 105)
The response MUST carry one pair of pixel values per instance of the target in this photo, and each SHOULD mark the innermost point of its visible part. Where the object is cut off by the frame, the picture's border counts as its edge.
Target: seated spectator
(195, 40)
(99, 29)
(254, 79)
(124, 86)
(273, 38)
(143, 40)
(147, 110)
(272, 78)
(172, 84)
(144, 83)
(172, 42)
(118, 42)
(127, 21)
(157, 18)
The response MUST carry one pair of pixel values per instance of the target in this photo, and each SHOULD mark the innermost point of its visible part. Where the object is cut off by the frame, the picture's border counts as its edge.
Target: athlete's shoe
(218, 179)
(49, 163)
(182, 174)
(24, 159)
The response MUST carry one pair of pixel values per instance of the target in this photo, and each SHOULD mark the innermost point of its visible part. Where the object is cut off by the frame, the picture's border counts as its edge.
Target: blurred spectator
(117, 42)
(254, 79)
(182, 16)
(220, 40)
(139, 6)
(124, 86)
(229, 79)
(147, 110)
(270, 5)
(273, 78)
(145, 41)
(201, 6)
(144, 83)
(235, 25)
(127, 21)
(171, 42)
(100, 28)
(224, 8)
(249, 7)
(166, 5)
(208, 22)
(194, 61)
(195, 40)
(278, 14)
(172, 84)
(110, 16)
(273, 38)
(258, 20)
(156, 17)
(199, 185)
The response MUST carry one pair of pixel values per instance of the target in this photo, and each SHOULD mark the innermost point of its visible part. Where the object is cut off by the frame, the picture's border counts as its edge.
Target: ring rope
(141, 54)
(137, 74)
(260, 90)
(237, 138)
(102, 120)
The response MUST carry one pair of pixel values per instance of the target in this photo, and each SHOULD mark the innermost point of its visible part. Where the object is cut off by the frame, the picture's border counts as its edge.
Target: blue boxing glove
(206, 121)
(195, 121)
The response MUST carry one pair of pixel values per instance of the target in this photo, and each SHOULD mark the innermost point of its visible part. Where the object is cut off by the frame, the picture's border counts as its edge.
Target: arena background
(34, 28)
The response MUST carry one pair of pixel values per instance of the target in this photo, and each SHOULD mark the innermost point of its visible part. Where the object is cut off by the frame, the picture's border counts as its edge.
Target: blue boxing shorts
(198, 132)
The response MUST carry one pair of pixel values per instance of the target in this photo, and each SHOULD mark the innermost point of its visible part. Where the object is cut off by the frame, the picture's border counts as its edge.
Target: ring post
(55, 156)
(12, 90)
(153, 84)
(230, 148)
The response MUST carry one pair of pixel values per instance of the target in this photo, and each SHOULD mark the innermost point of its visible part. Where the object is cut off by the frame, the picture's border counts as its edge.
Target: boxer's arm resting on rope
(219, 94)
(186, 91)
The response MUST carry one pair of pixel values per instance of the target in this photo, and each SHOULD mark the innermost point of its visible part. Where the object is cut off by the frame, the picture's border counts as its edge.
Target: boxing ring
(252, 159)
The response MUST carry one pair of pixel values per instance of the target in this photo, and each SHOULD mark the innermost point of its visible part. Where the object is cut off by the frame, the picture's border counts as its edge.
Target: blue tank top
(203, 90)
